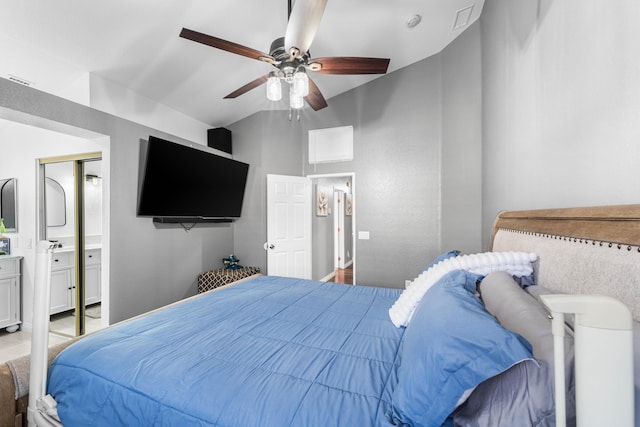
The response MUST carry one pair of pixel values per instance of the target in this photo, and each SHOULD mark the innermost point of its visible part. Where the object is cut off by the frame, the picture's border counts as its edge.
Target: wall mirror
(56, 203)
(9, 203)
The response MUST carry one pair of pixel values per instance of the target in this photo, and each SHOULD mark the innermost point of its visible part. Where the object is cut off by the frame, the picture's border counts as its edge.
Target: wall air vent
(20, 80)
(331, 145)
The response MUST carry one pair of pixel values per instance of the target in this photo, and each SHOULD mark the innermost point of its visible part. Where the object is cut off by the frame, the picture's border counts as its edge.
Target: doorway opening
(28, 137)
(334, 246)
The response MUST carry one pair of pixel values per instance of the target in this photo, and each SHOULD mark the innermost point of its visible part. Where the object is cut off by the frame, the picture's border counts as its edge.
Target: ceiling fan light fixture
(291, 57)
(274, 88)
(301, 84)
(296, 101)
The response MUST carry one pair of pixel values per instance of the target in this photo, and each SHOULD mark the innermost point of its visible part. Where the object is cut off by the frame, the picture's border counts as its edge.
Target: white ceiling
(135, 44)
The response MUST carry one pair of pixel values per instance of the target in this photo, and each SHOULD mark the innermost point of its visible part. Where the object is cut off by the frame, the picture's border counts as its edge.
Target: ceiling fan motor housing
(277, 50)
(283, 59)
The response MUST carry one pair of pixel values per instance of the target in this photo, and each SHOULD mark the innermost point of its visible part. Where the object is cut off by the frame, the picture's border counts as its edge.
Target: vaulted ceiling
(136, 44)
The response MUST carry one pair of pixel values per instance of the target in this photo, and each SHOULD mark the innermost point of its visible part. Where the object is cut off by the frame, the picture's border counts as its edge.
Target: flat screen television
(184, 182)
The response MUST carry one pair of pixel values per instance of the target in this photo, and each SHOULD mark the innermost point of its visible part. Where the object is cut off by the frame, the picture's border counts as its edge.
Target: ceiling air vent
(462, 17)
(20, 80)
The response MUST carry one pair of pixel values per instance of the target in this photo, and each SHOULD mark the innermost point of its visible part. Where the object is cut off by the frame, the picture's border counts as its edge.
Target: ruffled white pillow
(515, 263)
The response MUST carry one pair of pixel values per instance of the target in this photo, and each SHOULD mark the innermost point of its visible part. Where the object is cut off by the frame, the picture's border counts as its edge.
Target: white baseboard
(333, 273)
(328, 277)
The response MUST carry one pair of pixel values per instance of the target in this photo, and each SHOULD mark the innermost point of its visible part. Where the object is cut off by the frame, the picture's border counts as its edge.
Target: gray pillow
(524, 394)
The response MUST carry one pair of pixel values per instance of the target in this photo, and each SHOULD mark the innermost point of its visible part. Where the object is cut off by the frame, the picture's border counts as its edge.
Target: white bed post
(39, 405)
(603, 345)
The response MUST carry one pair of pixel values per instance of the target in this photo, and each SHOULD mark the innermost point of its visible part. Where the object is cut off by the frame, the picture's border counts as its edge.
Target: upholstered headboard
(592, 250)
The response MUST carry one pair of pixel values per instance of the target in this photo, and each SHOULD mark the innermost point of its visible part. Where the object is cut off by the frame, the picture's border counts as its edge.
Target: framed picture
(348, 204)
(322, 201)
(5, 246)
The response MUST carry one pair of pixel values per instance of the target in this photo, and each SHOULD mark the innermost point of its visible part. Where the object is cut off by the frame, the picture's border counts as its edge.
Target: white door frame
(351, 175)
(338, 228)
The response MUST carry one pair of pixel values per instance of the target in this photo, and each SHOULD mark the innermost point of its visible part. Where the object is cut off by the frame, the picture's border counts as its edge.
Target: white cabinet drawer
(8, 267)
(62, 260)
(92, 256)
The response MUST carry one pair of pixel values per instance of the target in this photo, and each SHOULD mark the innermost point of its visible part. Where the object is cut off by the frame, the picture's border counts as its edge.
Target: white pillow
(515, 263)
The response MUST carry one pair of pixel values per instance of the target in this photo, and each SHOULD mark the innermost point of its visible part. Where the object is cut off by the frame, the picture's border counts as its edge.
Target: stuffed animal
(231, 263)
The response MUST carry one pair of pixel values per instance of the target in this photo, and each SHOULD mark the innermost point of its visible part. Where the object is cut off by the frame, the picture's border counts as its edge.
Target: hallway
(344, 275)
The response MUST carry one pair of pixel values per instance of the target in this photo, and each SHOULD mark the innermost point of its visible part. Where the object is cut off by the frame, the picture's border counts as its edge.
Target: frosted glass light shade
(301, 84)
(295, 101)
(274, 89)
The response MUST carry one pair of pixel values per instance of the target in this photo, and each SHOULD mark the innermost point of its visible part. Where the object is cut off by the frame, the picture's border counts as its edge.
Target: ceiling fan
(290, 56)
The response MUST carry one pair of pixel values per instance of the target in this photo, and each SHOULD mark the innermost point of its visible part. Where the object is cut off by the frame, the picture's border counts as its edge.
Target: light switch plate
(363, 235)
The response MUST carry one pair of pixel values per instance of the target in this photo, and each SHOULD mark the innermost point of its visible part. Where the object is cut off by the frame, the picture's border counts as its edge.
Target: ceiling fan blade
(350, 65)
(302, 27)
(246, 88)
(225, 45)
(315, 98)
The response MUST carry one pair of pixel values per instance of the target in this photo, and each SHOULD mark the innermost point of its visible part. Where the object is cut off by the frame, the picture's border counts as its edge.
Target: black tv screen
(181, 181)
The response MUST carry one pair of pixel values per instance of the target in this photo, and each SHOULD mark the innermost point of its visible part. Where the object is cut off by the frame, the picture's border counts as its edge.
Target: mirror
(56, 203)
(9, 204)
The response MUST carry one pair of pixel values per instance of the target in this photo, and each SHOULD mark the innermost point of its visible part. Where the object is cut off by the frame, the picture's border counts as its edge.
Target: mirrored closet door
(71, 217)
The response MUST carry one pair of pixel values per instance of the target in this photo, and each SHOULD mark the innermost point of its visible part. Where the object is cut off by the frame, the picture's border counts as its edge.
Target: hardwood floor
(344, 275)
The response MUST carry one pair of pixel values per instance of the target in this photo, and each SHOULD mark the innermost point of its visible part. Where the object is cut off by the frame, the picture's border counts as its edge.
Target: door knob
(268, 246)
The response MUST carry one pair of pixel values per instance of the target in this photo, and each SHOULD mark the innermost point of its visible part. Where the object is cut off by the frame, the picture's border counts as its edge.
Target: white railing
(42, 408)
(603, 343)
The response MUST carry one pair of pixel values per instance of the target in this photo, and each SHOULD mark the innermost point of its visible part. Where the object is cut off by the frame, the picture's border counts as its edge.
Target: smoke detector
(413, 20)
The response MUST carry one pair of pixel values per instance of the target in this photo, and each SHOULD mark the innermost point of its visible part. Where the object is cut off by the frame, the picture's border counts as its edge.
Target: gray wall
(149, 267)
(561, 104)
(400, 131)
(397, 139)
(462, 144)
(322, 232)
(271, 144)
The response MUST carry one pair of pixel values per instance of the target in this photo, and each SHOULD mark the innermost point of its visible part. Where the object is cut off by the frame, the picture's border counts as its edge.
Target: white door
(338, 228)
(288, 226)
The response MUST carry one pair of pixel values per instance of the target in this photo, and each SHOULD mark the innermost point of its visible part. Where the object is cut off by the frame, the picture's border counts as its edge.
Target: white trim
(339, 196)
(328, 277)
(333, 273)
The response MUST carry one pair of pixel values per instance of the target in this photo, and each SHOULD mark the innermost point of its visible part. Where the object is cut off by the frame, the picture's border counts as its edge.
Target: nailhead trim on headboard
(619, 224)
(578, 240)
(579, 266)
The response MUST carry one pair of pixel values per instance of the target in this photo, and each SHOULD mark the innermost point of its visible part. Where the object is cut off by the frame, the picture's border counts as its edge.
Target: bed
(475, 347)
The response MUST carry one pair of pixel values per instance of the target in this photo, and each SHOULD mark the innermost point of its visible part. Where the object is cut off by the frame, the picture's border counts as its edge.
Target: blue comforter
(279, 352)
(267, 352)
